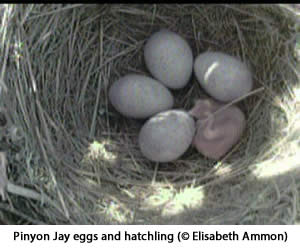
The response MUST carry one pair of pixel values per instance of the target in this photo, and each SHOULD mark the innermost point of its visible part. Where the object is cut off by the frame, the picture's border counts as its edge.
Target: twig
(155, 173)
(31, 194)
(233, 102)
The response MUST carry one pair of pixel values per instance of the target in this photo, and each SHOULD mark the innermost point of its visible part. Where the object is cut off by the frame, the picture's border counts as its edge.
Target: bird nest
(72, 159)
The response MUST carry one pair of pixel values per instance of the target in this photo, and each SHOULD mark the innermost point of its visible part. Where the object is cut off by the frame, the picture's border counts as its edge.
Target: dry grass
(81, 156)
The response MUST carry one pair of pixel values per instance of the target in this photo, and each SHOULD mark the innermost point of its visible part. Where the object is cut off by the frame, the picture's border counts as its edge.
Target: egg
(139, 96)
(222, 76)
(167, 135)
(169, 58)
(216, 133)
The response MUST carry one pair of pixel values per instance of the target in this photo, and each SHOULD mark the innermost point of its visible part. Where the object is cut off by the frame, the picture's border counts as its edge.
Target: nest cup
(84, 156)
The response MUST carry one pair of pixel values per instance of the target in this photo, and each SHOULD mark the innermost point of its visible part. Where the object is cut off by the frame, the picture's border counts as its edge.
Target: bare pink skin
(216, 133)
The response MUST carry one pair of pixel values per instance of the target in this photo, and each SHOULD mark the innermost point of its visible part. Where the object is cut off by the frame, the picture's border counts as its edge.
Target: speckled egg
(139, 96)
(169, 58)
(167, 135)
(222, 76)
